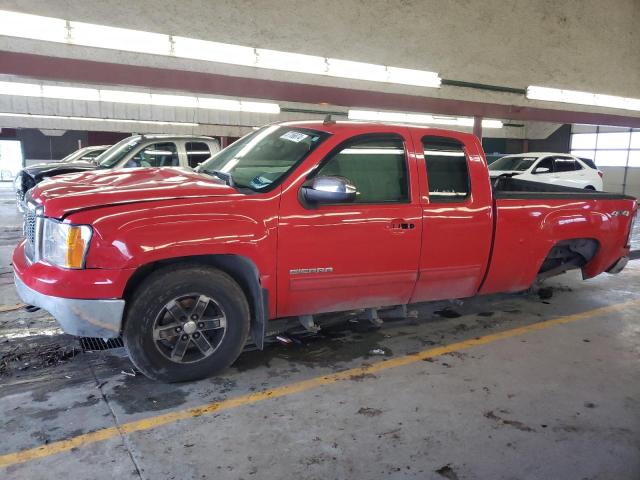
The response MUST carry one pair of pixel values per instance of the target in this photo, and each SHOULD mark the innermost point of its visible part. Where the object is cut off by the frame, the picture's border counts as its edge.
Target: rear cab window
(197, 152)
(447, 169)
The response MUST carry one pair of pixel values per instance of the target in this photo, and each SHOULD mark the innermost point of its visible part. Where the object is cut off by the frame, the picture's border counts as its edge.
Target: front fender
(129, 236)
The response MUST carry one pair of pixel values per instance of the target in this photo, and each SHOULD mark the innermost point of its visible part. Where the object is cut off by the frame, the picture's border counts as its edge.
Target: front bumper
(83, 318)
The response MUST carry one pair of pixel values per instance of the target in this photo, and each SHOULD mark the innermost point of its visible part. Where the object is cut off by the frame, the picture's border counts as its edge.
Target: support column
(477, 127)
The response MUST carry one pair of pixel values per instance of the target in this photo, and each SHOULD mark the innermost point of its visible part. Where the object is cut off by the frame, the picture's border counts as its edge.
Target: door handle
(396, 225)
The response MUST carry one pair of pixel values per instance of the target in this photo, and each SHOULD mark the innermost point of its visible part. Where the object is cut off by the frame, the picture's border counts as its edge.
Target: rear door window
(564, 164)
(447, 169)
(164, 154)
(197, 152)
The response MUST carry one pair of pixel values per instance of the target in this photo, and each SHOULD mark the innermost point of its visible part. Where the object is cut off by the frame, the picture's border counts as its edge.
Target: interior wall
(559, 141)
(36, 146)
(614, 180)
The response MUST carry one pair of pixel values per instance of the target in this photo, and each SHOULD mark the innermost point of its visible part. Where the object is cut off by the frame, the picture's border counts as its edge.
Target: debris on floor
(447, 313)
(23, 356)
(545, 293)
(369, 412)
(447, 472)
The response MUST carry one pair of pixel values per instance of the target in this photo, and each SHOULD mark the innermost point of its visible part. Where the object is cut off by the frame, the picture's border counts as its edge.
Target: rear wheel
(589, 187)
(186, 323)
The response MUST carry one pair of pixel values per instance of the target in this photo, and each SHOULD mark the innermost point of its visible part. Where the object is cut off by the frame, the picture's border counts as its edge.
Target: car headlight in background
(65, 245)
(17, 182)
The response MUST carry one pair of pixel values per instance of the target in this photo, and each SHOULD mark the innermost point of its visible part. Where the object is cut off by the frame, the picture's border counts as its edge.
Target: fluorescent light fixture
(136, 98)
(219, 104)
(123, 96)
(292, 62)
(259, 107)
(213, 51)
(114, 38)
(90, 119)
(70, 93)
(582, 98)
(356, 70)
(417, 118)
(174, 100)
(370, 151)
(492, 124)
(36, 27)
(418, 78)
(124, 39)
(21, 89)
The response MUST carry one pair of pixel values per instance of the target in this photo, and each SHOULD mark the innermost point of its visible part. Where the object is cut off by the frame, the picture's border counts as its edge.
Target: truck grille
(31, 230)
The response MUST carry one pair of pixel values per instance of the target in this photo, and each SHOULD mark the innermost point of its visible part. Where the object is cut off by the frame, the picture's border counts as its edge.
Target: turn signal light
(76, 247)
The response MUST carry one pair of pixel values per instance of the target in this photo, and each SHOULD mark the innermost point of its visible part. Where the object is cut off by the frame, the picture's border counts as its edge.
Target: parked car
(83, 158)
(295, 220)
(134, 151)
(553, 168)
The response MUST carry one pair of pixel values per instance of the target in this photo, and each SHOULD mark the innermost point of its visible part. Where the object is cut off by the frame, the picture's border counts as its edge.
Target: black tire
(589, 187)
(148, 308)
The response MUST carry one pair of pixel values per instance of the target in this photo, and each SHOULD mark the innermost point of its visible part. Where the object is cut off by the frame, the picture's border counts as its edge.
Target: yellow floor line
(297, 387)
(11, 308)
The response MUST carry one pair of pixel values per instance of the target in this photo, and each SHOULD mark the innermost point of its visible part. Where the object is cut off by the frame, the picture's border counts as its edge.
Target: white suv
(555, 168)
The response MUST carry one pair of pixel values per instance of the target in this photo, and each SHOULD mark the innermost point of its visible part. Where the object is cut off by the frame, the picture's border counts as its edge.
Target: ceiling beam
(87, 71)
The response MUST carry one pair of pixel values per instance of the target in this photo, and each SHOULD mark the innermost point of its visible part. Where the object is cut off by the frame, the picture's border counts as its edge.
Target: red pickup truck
(291, 221)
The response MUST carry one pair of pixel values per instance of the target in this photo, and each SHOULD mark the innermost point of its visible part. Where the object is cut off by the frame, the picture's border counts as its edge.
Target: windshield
(72, 156)
(112, 156)
(518, 164)
(263, 157)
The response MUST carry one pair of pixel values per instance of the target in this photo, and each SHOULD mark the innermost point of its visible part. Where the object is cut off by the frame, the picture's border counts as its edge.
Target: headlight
(65, 245)
(17, 182)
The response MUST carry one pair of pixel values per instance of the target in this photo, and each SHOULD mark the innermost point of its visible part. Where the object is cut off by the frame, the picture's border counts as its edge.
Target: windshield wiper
(224, 176)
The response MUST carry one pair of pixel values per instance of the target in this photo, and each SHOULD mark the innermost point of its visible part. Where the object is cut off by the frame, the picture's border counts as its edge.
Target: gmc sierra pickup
(291, 221)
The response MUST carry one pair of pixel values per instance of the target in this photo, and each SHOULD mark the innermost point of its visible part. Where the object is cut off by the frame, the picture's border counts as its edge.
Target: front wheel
(186, 323)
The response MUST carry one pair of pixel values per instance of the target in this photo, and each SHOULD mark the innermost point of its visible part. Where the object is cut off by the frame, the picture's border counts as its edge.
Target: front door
(360, 254)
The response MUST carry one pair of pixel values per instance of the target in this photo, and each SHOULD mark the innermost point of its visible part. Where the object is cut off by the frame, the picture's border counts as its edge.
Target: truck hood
(41, 170)
(70, 193)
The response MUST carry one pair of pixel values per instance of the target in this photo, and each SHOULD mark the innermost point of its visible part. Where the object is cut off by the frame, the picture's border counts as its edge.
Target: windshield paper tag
(294, 136)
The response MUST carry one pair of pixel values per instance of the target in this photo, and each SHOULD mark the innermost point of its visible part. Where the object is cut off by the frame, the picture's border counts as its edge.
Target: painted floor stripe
(290, 389)
(11, 308)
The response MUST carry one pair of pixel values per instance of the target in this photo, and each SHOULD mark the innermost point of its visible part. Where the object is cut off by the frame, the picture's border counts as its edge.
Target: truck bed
(536, 221)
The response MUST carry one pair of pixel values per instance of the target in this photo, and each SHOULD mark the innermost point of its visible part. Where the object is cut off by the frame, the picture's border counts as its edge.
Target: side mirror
(541, 170)
(329, 189)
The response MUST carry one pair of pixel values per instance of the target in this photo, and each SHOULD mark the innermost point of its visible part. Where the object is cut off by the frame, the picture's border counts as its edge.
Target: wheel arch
(238, 267)
(567, 254)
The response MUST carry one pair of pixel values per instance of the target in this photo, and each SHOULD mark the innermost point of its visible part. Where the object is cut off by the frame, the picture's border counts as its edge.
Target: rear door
(361, 254)
(457, 225)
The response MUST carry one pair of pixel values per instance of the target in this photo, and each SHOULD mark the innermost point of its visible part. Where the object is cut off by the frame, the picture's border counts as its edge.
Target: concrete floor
(548, 400)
